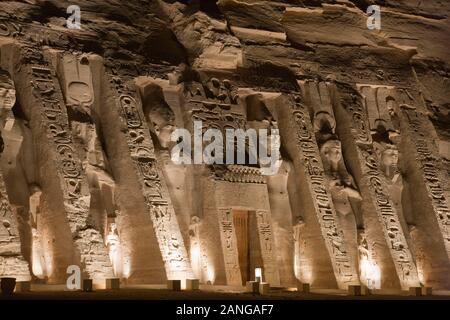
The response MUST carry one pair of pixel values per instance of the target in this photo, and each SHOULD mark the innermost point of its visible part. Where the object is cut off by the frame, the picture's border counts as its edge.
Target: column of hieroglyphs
(123, 97)
(346, 197)
(76, 81)
(324, 229)
(425, 177)
(384, 235)
(61, 173)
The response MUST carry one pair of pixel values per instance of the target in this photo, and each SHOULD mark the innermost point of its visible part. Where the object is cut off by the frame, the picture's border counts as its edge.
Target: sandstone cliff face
(362, 195)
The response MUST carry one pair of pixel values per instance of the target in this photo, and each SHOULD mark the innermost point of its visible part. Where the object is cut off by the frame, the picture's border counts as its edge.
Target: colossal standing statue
(12, 263)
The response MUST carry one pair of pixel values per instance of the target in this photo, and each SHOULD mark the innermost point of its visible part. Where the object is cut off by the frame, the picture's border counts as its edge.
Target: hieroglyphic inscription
(12, 263)
(374, 179)
(37, 34)
(216, 104)
(375, 113)
(239, 173)
(69, 170)
(229, 247)
(267, 244)
(387, 213)
(10, 29)
(77, 86)
(361, 127)
(55, 118)
(155, 191)
(429, 164)
(323, 204)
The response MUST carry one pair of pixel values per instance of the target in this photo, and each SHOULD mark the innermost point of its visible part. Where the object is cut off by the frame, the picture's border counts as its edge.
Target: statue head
(331, 151)
(195, 220)
(34, 188)
(164, 133)
(113, 228)
(299, 221)
(7, 91)
(159, 115)
(6, 227)
(362, 238)
(388, 156)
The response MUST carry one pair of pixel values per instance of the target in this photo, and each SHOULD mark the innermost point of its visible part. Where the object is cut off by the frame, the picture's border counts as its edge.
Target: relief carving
(142, 153)
(318, 99)
(430, 172)
(89, 174)
(79, 96)
(12, 263)
(216, 104)
(70, 172)
(195, 249)
(369, 270)
(115, 250)
(78, 86)
(343, 265)
(388, 155)
(266, 239)
(380, 107)
(39, 264)
(7, 101)
(376, 172)
(346, 197)
(229, 247)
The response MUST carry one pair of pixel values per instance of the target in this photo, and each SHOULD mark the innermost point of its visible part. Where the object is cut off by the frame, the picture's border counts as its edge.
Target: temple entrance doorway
(247, 238)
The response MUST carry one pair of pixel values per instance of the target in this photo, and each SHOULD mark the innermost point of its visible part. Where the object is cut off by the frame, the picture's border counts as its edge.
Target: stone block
(252, 287)
(303, 287)
(87, 285)
(354, 290)
(264, 288)
(192, 284)
(365, 291)
(427, 291)
(7, 285)
(415, 291)
(174, 285)
(113, 284)
(23, 286)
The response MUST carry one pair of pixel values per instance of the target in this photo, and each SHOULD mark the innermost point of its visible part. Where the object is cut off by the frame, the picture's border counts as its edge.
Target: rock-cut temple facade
(361, 194)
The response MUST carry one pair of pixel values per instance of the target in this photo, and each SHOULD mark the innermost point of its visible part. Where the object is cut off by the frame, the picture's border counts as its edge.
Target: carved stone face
(113, 228)
(389, 157)
(164, 134)
(331, 150)
(195, 220)
(7, 93)
(163, 125)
